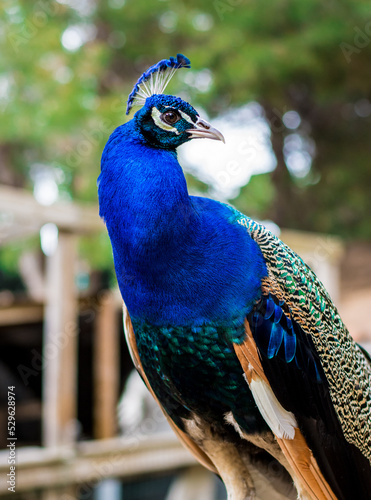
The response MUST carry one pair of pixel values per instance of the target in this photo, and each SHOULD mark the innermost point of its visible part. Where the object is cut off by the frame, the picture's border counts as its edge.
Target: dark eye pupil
(171, 117)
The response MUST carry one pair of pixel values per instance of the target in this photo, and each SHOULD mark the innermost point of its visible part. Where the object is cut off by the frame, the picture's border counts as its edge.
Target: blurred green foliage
(256, 196)
(67, 67)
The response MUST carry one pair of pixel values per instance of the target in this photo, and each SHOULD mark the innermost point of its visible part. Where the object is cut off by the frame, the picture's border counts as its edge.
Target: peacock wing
(310, 380)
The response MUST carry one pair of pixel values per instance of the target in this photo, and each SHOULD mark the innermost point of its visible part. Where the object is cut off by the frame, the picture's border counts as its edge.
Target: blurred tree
(66, 68)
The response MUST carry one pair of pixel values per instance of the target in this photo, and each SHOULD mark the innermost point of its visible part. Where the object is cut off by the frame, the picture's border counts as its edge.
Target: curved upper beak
(204, 129)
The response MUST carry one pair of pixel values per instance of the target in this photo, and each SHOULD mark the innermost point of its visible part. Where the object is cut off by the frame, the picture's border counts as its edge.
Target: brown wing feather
(308, 477)
(183, 437)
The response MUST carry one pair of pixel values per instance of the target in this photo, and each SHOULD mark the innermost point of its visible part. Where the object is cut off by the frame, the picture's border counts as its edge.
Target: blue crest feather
(155, 79)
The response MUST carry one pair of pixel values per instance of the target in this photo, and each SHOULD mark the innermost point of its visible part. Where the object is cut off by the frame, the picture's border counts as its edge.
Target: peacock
(233, 334)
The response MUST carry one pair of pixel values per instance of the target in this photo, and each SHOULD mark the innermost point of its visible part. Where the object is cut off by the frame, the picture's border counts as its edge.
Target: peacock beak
(203, 129)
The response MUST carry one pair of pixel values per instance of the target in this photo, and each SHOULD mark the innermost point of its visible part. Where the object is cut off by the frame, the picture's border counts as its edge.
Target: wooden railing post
(106, 367)
(60, 345)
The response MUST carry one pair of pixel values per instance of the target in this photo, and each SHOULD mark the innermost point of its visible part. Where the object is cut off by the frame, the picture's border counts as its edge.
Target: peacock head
(166, 121)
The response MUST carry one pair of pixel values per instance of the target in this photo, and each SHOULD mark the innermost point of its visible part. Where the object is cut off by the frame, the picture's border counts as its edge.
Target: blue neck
(142, 194)
(178, 259)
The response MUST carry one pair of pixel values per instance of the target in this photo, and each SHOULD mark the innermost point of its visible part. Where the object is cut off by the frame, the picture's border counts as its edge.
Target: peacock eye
(170, 116)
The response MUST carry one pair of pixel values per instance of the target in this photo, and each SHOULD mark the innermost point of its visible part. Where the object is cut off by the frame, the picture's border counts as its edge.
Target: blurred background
(289, 85)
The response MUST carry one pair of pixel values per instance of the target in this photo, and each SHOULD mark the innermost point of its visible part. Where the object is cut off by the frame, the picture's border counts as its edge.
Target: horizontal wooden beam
(19, 208)
(92, 461)
(18, 315)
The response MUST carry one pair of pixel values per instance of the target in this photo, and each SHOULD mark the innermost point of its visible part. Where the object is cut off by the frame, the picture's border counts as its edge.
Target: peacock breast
(195, 370)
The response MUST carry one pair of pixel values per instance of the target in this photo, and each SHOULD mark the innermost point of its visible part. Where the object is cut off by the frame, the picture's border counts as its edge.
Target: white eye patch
(185, 116)
(156, 118)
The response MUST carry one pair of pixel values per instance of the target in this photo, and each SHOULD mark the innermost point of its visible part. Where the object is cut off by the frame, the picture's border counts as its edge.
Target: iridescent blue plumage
(274, 330)
(229, 329)
(165, 240)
